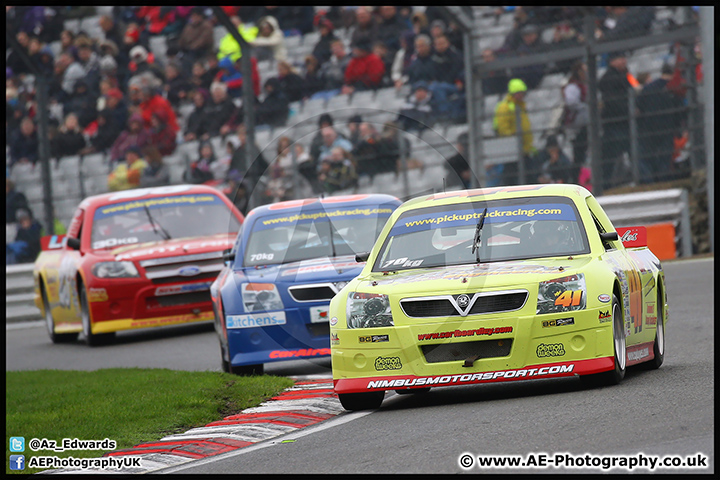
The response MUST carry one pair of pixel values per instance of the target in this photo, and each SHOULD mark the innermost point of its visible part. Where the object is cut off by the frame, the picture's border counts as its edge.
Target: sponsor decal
(160, 202)
(175, 289)
(333, 321)
(638, 354)
(550, 350)
(319, 314)
(388, 363)
(558, 322)
(97, 295)
(249, 320)
(458, 273)
(474, 377)
(650, 315)
(175, 249)
(256, 257)
(319, 268)
(604, 298)
(334, 340)
(305, 352)
(402, 262)
(456, 218)
(141, 192)
(374, 338)
(114, 242)
(464, 333)
(604, 316)
(649, 286)
(155, 322)
(562, 294)
(307, 217)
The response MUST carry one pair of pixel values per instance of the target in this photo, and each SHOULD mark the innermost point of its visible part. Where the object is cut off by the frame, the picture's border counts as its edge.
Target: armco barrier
(19, 293)
(661, 209)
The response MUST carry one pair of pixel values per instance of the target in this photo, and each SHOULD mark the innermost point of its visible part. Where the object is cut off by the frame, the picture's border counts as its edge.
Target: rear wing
(632, 237)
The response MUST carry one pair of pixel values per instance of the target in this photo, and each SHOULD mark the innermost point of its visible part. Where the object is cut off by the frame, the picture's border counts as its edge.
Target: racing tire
(247, 370)
(50, 322)
(361, 401)
(224, 364)
(616, 375)
(659, 344)
(412, 391)
(92, 339)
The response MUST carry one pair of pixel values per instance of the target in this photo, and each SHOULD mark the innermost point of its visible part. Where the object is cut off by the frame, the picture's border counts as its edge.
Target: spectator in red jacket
(365, 71)
(162, 135)
(157, 19)
(150, 103)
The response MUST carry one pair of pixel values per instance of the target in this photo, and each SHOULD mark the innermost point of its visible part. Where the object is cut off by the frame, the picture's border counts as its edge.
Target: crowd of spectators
(112, 95)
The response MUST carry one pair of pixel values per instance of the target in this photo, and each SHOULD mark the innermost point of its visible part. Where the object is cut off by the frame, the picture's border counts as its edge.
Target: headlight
(366, 310)
(115, 270)
(261, 297)
(564, 294)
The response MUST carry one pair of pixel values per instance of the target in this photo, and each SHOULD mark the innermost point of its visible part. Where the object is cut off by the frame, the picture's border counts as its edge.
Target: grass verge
(129, 406)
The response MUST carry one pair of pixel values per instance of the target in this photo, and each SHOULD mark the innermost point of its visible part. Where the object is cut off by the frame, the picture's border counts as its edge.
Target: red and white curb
(308, 402)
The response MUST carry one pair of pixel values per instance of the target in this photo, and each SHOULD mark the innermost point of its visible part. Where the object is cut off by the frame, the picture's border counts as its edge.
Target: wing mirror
(609, 236)
(228, 255)
(73, 243)
(362, 257)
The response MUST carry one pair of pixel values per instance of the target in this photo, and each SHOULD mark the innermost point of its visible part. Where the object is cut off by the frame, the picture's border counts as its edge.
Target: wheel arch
(663, 295)
(79, 285)
(42, 288)
(617, 291)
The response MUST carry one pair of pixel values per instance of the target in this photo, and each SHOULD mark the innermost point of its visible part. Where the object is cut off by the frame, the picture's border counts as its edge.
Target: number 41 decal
(569, 297)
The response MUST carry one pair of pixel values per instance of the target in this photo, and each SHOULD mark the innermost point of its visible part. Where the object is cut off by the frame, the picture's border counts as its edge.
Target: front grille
(319, 329)
(498, 303)
(452, 352)
(178, 278)
(429, 308)
(442, 307)
(311, 293)
(170, 269)
(180, 299)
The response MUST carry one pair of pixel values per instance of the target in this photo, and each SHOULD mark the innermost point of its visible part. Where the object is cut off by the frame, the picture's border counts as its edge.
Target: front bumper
(508, 347)
(297, 338)
(133, 323)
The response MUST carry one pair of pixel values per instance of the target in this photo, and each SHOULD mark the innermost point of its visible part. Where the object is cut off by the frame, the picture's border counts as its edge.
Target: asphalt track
(669, 411)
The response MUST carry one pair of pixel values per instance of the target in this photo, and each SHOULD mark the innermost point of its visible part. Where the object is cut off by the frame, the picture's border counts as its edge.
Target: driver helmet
(549, 231)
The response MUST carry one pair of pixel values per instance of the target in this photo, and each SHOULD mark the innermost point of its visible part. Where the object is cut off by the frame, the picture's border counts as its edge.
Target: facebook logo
(17, 462)
(17, 444)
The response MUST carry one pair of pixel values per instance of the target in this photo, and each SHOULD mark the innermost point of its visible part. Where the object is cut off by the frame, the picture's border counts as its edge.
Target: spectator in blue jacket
(14, 201)
(24, 143)
(26, 246)
(422, 68)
